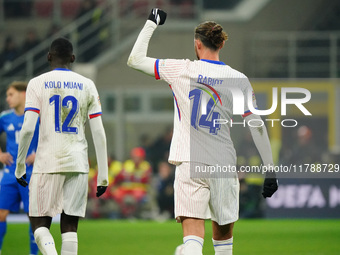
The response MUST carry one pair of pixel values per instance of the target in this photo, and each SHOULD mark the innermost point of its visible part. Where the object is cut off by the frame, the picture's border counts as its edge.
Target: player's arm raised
(26, 135)
(99, 140)
(138, 59)
(261, 140)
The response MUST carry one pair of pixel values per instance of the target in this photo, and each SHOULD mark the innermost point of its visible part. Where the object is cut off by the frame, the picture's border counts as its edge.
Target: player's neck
(210, 56)
(58, 65)
(19, 110)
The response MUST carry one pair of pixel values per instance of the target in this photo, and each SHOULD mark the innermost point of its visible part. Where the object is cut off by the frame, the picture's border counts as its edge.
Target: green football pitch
(312, 237)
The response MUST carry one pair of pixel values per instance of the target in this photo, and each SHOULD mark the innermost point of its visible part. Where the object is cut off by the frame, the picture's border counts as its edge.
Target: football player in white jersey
(198, 138)
(64, 100)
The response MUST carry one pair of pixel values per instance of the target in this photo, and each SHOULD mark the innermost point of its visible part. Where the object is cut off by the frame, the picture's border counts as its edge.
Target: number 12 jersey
(64, 101)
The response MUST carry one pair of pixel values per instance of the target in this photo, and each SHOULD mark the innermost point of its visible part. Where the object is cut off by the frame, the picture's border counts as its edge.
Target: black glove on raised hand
(158, 16)
(100, 190)
(22, 180)
(270, 185)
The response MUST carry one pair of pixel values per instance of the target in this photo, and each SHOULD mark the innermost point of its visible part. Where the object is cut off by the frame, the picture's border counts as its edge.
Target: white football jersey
(203, 93)
(64, 100)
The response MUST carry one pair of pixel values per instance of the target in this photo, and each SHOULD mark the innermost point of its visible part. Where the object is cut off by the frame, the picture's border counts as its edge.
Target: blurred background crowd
(142, 186)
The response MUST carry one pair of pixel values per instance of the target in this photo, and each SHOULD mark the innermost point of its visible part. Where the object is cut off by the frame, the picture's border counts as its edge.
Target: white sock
(45, 241)
(69, 243)
(223, 247)
(179, 249)
(193, 245)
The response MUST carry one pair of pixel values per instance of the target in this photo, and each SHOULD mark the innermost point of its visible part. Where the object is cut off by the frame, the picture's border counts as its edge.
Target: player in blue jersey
(11, 193)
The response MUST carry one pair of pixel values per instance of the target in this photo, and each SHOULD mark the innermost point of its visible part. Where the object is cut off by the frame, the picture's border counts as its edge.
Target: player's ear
(222, 45)
(49, 57)
(73, 58)
(198, 44)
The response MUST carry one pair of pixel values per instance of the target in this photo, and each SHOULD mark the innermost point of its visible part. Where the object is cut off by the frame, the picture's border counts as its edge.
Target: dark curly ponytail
(211, 34)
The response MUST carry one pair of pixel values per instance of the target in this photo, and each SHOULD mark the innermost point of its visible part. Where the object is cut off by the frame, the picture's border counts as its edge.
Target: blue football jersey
(11, 124)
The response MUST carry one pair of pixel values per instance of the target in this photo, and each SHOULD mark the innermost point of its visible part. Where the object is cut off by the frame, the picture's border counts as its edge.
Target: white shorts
(51, 194)
(205, 198)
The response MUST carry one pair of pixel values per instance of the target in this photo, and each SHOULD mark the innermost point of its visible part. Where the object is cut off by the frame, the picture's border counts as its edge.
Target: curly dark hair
(211, 34)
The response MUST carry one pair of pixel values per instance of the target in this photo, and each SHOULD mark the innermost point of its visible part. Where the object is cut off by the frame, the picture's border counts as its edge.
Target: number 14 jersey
(64, 100)
(204, 94)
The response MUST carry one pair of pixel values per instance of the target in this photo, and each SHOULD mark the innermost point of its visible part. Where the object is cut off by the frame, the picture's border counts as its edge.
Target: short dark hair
(62, 48)
(18, 85)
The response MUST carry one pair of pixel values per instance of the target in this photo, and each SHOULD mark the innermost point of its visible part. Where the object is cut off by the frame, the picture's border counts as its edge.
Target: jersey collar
(61, 69)
(213, 62)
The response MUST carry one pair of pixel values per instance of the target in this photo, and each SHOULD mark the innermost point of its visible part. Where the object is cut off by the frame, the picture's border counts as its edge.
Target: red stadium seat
(140, 7)
(186, 9)
(70, 8)
(43, 8)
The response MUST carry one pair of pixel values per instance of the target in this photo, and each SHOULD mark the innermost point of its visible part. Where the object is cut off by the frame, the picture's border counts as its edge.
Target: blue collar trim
(214, 62)
(62, 69)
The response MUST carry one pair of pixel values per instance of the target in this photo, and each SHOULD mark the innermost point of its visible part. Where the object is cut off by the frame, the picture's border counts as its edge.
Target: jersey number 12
(61, 115)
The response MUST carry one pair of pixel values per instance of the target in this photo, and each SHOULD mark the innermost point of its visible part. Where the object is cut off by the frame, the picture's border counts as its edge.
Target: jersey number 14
(204, 120)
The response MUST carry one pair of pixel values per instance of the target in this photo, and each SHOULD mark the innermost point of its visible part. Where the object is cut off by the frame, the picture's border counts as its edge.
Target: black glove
(158, 16)
(100, 190)
(270, 185)
(22, 181)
